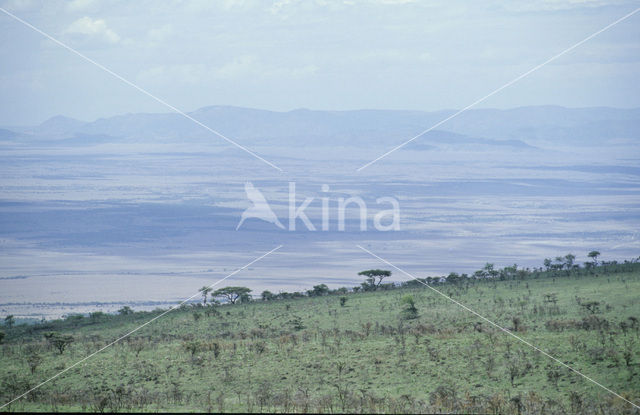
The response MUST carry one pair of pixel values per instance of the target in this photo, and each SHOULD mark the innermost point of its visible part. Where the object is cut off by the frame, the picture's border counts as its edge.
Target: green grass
(361, 357)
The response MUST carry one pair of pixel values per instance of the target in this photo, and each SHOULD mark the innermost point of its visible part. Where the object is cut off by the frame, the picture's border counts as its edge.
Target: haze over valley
(142, 209)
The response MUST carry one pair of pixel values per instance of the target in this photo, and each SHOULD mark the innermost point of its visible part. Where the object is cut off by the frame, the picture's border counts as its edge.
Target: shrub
(96, 315)
(137, 345)
(9, 321)
(409, 310)
(296, 323)
(193, 346)
(34, 360)
(59, 341)
(216, 349)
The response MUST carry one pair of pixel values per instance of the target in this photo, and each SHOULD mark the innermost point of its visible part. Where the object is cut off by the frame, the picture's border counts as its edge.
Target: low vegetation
(378, 347)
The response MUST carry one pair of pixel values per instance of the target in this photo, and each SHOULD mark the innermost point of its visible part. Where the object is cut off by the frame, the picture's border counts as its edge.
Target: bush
(34, 360)
(97, 315)
(193, 347)
(297, 323)
(409, 311)
(59, 341)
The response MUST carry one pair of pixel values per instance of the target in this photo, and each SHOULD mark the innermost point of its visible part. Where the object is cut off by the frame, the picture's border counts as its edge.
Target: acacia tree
(568, 261)
(232, 294)
(9, 321)
(318, 290)
(59, 341)
(373, 275)
(490, 270)
(454, 278)
(594, 255)
(205, 291)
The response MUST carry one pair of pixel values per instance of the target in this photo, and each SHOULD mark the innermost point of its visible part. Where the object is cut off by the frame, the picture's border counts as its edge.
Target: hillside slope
(360, 353)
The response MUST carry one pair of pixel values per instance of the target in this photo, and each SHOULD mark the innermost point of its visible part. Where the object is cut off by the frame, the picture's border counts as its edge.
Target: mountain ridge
(529, 125)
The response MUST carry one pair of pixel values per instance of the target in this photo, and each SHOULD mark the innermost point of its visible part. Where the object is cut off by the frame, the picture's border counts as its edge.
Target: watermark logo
(333, 211)
(260, 208)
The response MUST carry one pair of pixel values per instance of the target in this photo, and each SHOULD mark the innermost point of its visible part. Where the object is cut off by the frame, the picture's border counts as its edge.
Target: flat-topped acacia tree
(372, 275)
(232, 294)
(59, 341)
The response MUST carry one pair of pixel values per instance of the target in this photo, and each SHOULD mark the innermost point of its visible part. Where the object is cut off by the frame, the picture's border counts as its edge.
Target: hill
(340, 351)
(518, 126)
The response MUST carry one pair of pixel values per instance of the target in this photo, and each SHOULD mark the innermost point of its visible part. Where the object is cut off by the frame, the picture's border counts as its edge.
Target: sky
(317, 54)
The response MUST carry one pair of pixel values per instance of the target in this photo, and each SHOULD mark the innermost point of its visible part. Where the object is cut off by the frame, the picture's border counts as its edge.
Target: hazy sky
(318, 54)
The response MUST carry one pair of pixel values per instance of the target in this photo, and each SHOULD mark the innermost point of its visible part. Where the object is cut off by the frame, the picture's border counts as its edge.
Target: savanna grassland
(403, 349)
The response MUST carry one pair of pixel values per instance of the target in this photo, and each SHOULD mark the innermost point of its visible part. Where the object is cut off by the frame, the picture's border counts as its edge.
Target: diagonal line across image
(499, 327)
(359, 169)
(508, 84)
(457, 113)
(144, 91)
(136, 329)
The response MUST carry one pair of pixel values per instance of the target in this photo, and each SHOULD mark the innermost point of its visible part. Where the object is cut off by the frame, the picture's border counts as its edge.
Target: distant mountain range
(517, 128)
